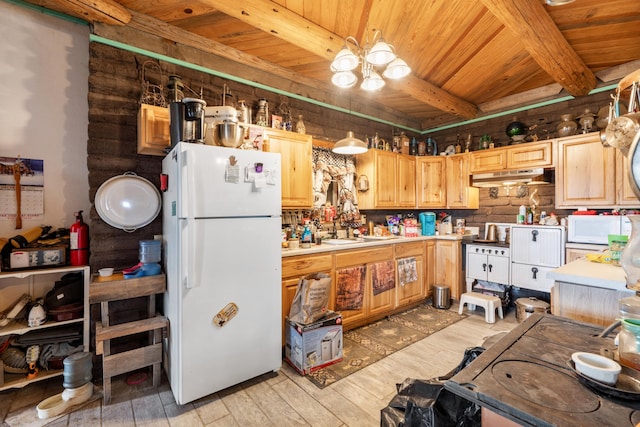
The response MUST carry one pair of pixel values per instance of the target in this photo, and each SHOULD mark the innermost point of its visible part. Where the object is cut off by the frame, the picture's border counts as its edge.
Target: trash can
(441, 296)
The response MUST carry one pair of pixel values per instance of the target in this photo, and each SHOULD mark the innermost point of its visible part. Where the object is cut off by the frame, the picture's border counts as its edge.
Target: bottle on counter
(529, 217)
(522, 212)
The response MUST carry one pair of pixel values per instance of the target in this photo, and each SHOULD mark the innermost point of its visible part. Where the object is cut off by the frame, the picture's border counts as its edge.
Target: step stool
(490, 304)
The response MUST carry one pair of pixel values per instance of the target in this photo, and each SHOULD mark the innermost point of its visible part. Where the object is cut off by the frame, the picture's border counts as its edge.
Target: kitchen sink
(338, 241)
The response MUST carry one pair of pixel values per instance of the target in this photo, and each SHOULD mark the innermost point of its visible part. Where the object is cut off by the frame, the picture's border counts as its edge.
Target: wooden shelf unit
(104, 292)
(37, 283)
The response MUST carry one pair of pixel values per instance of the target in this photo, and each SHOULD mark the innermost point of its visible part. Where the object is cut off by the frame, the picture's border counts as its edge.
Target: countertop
(587, 273)
(314, 249)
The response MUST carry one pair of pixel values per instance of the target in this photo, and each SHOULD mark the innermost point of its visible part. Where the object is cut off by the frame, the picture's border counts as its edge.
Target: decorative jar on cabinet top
(567, 126)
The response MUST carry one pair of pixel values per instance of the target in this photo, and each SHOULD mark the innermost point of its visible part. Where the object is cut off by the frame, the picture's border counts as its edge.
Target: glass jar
(567, 126)
(300, 128)
(262, 117)
(629, 343)
(630, 257)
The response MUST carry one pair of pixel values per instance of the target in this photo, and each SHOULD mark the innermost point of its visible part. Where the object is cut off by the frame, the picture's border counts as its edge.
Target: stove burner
(561, 334)
(530, 381)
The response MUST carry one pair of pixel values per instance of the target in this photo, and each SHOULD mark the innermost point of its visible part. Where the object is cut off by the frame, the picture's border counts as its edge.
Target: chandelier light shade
(380, 55)
(350, 145)
(344, 79)
(345, 60)
(397, 69)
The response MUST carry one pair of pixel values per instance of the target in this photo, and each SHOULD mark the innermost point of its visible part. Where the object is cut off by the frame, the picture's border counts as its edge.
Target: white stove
(489, 261)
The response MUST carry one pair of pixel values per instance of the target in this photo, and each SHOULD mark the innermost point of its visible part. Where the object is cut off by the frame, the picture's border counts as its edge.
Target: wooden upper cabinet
(530, 155)
(488, 160)
(521, 156)
(460, 193)
(381, 169)
(406, 194)
(585, 175)
(297, 174)
(624, 193)
(153, 130)
(431, 182)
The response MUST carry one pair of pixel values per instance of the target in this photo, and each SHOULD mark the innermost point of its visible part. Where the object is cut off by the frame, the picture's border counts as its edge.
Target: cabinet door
(585, 175)
(476, 266)
(297, 176)
(498, 269)
(429, 267)
(409, 292)
(153, 130)
(531, 155)
(624, 193)
(431, 182)
(460, 194)
(385, 180)
(448, 265)
(488, 160)
(406, 181)
(537, 246)
(289, 288)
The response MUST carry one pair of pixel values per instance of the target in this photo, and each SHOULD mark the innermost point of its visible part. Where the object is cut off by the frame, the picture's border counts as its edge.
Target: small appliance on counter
(428, 223)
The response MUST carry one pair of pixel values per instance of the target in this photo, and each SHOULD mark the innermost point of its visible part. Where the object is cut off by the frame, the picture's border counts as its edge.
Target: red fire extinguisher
(79, 241)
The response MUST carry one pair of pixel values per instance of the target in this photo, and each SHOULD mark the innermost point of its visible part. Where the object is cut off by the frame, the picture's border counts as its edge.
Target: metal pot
(526, 306)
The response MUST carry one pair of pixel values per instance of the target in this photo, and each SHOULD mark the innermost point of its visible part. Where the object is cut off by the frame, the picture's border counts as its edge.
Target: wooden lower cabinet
(448, 266)
(410, 292)
(371, 304)
(293, 269)
(437, 262)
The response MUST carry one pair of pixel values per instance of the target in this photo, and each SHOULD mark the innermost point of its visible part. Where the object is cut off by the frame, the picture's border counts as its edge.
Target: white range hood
(513, 177)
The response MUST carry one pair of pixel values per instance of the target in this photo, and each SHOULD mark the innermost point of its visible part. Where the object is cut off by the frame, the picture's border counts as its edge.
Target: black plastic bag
(425, 403)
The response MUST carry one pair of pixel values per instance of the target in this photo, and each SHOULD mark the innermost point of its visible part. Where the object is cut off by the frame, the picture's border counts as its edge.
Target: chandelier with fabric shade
(380, 55)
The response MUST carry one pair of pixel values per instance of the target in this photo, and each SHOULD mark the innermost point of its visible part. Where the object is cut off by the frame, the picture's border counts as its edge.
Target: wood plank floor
(282, 399)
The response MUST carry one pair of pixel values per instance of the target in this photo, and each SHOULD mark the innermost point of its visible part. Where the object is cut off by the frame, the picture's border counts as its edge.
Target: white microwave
(595, 229)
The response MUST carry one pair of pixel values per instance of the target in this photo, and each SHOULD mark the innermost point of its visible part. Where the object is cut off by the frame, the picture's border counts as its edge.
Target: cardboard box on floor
(309, 347)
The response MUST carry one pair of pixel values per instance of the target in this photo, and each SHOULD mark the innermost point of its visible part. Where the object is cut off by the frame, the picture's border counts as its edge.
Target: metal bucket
(441, 296)
(526, 306)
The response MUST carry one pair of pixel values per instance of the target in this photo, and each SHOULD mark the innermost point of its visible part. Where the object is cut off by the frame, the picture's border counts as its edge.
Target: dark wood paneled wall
(115, 87)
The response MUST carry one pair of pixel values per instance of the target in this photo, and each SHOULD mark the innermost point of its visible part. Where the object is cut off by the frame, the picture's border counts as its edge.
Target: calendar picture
(21, 188)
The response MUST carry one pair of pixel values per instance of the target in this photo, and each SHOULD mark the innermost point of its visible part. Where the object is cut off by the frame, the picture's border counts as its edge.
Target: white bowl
(599, 368)
(105, 272)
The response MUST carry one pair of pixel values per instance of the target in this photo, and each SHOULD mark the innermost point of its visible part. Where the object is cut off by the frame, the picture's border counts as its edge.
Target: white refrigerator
(222, 258)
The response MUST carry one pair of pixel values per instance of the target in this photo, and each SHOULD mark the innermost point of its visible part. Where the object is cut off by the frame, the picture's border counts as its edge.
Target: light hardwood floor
(282, 399)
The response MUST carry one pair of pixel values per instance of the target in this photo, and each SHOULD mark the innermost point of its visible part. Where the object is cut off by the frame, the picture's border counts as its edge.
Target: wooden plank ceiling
(469, 58)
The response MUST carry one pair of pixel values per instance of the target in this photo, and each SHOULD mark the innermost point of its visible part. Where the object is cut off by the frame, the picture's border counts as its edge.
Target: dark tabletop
(526, 376)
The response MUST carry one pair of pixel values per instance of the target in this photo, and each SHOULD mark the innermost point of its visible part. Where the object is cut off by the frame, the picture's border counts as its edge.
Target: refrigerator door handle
(190, 184)
(191, 279)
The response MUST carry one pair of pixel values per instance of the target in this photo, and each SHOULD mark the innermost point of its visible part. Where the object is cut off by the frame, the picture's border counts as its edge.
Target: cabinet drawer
(302, 265)
(348, 258)
(409, 249)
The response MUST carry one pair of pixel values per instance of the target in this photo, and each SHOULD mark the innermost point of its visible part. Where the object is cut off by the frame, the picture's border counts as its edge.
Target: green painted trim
(124, 46)
(517, 110)
(46, 11)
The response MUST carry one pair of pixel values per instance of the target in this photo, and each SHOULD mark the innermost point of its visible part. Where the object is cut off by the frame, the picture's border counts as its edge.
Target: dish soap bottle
(306, 237)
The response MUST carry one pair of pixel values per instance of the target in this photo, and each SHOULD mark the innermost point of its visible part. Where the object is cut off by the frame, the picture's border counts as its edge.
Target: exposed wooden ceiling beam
(265, 70)
(105, 11)
(281, 22)
(530, 22)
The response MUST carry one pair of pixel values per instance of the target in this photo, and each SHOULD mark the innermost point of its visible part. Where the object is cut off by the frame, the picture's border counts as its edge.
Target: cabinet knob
(534, 270)
(534, 235)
